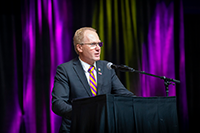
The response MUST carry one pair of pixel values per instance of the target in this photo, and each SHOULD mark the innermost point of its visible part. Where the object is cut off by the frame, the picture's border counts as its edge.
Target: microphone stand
(167, 81)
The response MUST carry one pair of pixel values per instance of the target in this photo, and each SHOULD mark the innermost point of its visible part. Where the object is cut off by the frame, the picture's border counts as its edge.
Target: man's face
(88, 53)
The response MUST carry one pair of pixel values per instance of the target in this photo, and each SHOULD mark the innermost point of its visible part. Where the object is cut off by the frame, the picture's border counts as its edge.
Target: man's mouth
(96, 54)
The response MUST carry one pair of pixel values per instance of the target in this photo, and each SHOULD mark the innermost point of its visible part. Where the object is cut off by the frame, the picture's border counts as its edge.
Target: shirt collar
(86, 66)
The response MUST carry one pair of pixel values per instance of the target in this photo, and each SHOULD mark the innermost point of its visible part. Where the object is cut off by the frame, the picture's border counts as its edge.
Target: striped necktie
(93, 84)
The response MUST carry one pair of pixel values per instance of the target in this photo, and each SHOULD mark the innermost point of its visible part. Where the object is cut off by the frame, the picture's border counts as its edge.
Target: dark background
(192, 41)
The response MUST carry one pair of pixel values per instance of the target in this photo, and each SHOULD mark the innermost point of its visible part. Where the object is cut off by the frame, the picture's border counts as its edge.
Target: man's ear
(79, 48)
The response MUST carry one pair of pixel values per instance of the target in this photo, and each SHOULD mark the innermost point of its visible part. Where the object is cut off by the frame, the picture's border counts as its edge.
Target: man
(85, 76)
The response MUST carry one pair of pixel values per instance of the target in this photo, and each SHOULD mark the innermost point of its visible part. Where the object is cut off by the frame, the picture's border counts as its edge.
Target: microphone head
(109, 65)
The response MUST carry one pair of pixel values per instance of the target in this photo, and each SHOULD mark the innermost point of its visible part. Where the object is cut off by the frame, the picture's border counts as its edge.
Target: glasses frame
(100, 44)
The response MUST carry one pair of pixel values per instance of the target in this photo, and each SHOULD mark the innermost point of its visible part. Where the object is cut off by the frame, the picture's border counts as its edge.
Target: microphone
(123, 68)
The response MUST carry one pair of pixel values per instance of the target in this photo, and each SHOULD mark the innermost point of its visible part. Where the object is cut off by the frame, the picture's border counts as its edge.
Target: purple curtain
(55, 17)
(158, 52)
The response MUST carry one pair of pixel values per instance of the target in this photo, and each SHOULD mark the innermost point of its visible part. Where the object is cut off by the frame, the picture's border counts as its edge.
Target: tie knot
(90, 70)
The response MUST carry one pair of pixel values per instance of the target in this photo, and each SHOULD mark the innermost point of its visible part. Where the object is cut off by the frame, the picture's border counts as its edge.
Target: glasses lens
(100, 44)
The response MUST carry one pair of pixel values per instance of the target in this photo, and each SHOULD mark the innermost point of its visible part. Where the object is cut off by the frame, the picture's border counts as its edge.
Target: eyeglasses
(94, 44)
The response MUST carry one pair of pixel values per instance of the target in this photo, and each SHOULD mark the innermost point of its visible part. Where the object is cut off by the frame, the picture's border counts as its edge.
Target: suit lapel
(99, 76)
(80, 72)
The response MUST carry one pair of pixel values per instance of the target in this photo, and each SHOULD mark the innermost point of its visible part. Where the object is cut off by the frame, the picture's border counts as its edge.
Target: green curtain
(115, 21)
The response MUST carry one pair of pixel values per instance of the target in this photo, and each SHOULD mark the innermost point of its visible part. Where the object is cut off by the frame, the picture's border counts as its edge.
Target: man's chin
(97, 58)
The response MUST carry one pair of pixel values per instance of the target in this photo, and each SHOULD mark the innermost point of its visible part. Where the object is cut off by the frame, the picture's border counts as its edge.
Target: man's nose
(97, 47)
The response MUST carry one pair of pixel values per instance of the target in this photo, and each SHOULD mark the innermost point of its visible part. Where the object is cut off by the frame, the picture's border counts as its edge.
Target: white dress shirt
(86, 66)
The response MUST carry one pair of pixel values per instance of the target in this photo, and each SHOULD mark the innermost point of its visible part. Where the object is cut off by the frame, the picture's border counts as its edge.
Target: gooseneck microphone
(123, 68)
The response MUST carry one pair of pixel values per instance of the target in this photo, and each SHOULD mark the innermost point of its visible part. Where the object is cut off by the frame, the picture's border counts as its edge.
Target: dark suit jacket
(71, 82)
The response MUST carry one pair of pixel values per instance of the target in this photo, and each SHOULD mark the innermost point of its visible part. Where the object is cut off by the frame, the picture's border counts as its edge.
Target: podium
(120, 114)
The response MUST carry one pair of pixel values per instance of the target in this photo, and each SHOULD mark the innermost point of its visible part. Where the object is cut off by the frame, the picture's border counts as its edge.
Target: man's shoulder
(76, 60)
(69, 63)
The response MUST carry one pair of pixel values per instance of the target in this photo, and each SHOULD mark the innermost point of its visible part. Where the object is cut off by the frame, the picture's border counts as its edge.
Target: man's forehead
(89, 32)
(90, 35)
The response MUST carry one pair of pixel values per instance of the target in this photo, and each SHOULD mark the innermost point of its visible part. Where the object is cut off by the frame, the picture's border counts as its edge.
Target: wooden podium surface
(120, 114)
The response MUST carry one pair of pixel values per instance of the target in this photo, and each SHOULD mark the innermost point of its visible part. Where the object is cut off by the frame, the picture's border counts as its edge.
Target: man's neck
(90, 63)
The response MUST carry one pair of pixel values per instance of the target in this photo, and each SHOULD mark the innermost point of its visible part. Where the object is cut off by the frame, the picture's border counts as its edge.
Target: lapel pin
(100, 73)
(99, 69)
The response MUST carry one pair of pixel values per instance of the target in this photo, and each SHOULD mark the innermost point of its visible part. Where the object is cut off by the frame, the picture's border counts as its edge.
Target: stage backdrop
(37, 36)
